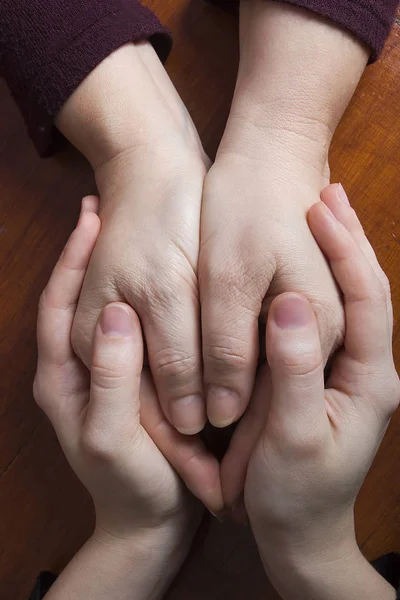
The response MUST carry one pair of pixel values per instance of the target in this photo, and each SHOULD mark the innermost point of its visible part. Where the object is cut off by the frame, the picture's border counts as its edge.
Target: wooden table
(45, 515)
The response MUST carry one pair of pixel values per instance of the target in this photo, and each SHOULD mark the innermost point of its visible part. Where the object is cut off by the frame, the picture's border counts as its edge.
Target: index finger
(332, 196)
(60, 296)
(368, 334)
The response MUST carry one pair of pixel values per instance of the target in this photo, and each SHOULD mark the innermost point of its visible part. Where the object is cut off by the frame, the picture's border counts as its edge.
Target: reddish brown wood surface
(44, 513)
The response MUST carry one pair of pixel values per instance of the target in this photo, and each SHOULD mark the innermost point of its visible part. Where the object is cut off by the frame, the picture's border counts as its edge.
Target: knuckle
(108, 377)
(394, 395)
(331, 322)
(160, 296)
(191, 464)
(379, 294)
(388, 290)
(99, 447)
(226, 356)
(107, 445)
(46, 389)
(39, 392)
(170, 363)
(308, 444)
(386, 283)
(235, 283)
(222, 277)
(81, 340)
(304, 365)
(330, 314)
(43, 301)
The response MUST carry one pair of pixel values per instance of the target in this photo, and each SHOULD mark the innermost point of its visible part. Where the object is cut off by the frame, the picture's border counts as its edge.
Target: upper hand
(128, 119)
(256, 244)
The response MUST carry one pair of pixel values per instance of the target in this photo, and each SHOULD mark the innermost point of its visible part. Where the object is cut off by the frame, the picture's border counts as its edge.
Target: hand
(318, 444)
(296, 76)
(255, 245)
(128, 119)
(111, 426)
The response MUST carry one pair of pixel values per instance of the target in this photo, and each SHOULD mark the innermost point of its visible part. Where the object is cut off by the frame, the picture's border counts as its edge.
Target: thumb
(115, 373)
(294, 354)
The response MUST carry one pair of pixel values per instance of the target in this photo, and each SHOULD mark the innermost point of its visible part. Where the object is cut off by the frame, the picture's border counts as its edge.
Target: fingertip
(320, 212)
(213, 499)
(188, 414)
(313, 216)
(329, 232)
(90, 204)
(79, 247)
(334, 191)
(224, 406)
(336, 199)
(89, 222)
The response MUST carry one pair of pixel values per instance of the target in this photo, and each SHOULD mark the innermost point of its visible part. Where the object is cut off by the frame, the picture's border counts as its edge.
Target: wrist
(128, 178)
(297, 74)
(158, 553)
(305, 539)
(99, 116)
(291, 150)
(111, 567)
(127, 105)
(331, 573)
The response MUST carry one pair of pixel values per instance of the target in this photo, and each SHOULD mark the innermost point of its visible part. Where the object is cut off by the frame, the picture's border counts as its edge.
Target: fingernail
(343, 196)
(223, 406)
(220, 516)
(84, 204)
(292, 312)
(188, 414)
(115, 321)
(329, 214)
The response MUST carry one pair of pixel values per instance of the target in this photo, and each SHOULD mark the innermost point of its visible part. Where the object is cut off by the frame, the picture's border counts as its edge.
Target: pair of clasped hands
(184, 264)
(299, 454)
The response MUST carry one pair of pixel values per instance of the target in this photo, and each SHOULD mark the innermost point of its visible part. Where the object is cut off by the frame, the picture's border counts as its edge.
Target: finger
(58, 301)
(235, 462)
(172, 333)
(90, 204)
(198, 468)
(230, 346)
(335, 198)
(368, 335)
(117, 364)
(297, 408)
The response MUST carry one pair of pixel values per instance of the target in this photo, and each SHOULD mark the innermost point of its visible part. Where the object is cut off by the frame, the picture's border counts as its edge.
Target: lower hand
(110, 425)
(318, 441)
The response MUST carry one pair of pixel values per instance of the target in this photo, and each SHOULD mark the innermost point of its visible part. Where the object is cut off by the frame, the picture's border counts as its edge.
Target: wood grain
(44, 512)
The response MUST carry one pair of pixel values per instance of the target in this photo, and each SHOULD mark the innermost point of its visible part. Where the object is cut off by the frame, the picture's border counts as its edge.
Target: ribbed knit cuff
(49, 46)
(369, 20)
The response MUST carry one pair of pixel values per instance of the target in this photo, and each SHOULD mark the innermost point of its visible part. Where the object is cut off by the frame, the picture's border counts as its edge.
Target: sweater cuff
(43, 69)
(369, 20)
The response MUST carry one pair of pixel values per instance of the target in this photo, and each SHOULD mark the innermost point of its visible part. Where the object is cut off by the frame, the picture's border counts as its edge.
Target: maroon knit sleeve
(47, 48)
(369, 20)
